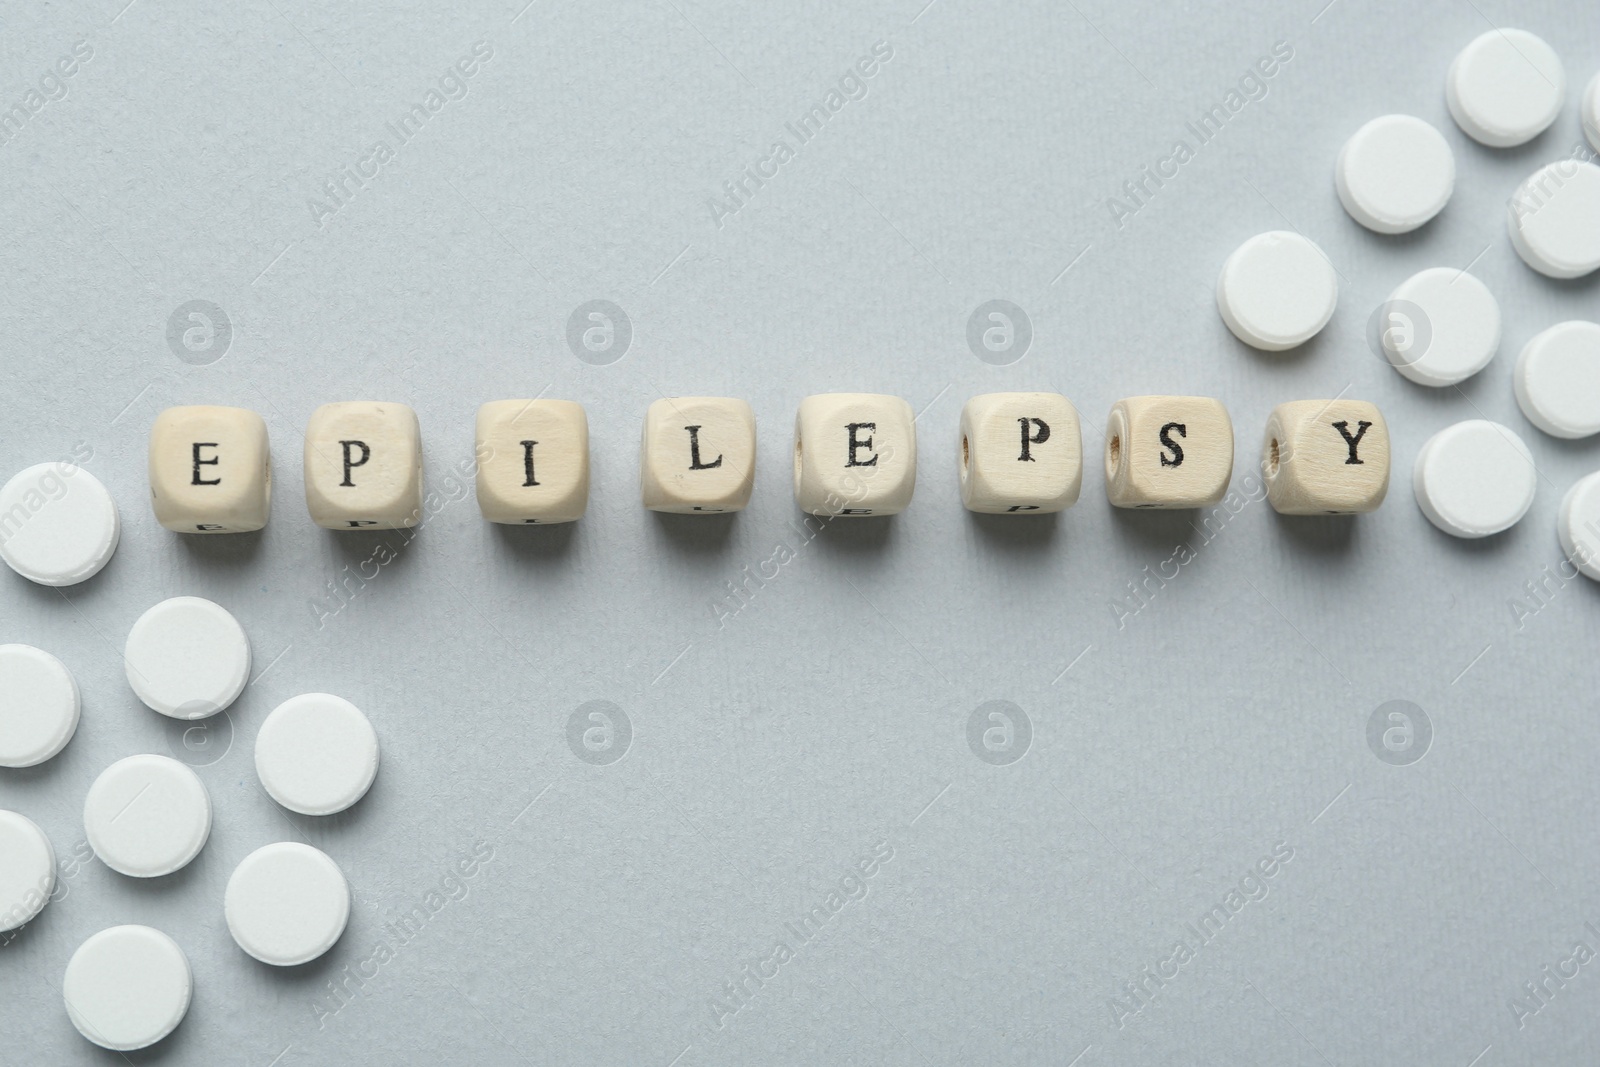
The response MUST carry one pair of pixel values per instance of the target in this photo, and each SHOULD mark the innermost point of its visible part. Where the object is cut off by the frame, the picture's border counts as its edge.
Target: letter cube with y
(1168, 452)
(210, 470)
(1325, 457)
(698, 455)
(1021, 453)
(854, 454)
(533, 461)
(364, 466)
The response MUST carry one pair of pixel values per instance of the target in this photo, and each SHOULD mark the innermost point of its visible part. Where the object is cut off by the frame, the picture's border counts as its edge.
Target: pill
(38, 705)
(1591, 112)
(1440, 326)
(58, 525)
(1474, 479)
(1557, 379)
(146, 816)
(1578, 525)
(1276, 291)
(1554, 219)
(287, 903)
(316, 754)
(27, 870)
(127, 987)
(1505, 88)
(1395, 173)
(187, 658)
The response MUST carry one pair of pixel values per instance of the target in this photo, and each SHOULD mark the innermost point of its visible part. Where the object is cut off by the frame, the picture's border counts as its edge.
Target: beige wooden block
(854, 454)
(533, 461)
(210, 470)
(1168, 452)
(1325, 457)
(363, 466)
(1021, 453)
(698, 455)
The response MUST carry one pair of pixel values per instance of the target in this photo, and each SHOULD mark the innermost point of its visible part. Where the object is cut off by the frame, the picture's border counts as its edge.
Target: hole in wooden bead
(1114, 453)
(966, 457)
(798, 467)
(1272, 459)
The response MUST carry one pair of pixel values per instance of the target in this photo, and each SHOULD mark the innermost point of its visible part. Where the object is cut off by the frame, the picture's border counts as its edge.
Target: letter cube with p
(210, 470)
(698, 455)
(1021, 454)
(363, 466)
(854, 454)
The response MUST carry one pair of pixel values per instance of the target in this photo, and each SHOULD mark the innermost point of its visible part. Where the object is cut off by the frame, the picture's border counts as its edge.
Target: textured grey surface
(1169, 750)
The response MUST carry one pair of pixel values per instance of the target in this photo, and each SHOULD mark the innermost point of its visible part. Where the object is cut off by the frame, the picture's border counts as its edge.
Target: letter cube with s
(210, 470)
(698, 455)
(533, 461)
(1021, 454)
(854, 454)
(1168, 452)
(363, 466)
(1325, 457)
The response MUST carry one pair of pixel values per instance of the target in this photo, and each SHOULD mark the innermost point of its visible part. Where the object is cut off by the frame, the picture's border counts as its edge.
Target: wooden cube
(698, 455)
(1168, 452)
(533, 461)
(363, 466)
(1021, 454)
(210, 470)
(854, 454)
(1325, 457)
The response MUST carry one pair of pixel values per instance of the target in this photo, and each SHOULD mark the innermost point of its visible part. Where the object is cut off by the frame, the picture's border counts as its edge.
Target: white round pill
(1395, 173)
(1276, 291)
(1591, 112)
(1441, 326)
(1557, 379)
(1578, 525)
(1474, 479)
(316, 754)
(146, 816)
(58, 525)
(39, 706)
(1505, 88)
(187, 658)
(287, 903)
(127, 987)
(1554, 218)
(27, 870)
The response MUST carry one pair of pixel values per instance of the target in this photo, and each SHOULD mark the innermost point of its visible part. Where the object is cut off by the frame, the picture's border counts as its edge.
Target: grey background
(1167, 756)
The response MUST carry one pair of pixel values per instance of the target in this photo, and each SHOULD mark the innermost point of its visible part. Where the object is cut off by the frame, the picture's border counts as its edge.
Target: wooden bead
(1168, 452)
(363, 466)
(854, 454)
(533, 461)
(698, 455)
(210, 470)
(1325, 457)
(1021, 453)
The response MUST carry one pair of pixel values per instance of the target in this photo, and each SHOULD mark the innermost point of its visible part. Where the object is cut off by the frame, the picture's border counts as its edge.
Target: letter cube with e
(533, 461)
(1021, 453)
(364, 466)
(1325, 457)
(210, 470)
(698, 455)
(1168, 452)
(854, 454)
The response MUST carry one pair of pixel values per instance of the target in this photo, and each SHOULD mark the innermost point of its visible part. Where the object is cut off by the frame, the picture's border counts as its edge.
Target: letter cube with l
(210, 470)
(1168, 452)
(533, 461)
(1021, 453)
(698, 455)
(1325, 457)
(363, 466)
(854, 454)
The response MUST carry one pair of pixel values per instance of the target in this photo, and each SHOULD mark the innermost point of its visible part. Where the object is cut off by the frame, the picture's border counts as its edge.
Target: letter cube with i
(854, 454)
(210, 470)
(363, 466)
(1325, 457)
(1168, 452)
(1021, 454)
(533, 461)
(698, 455)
